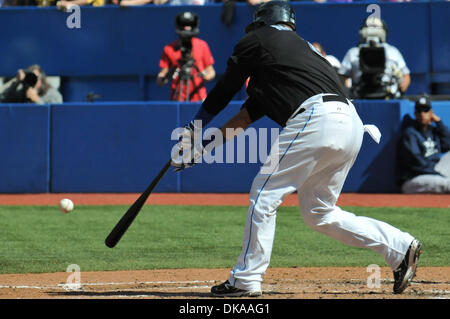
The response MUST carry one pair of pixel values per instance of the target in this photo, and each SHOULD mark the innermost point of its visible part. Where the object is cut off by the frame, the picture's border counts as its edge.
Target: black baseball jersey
(284, 71)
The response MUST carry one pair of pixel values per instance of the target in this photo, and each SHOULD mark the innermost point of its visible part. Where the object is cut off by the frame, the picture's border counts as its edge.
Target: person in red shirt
(187, 61)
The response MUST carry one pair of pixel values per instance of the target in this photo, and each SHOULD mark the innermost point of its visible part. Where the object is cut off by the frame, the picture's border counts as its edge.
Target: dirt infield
(279, 283)
(286, 283)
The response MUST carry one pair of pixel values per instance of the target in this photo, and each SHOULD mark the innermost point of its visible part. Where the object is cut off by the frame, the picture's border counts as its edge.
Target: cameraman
(30, 86)
(188, 61)
(396, 76)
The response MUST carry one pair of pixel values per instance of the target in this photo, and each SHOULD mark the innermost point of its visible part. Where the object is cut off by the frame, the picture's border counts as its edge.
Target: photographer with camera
(377, 69)
(188, 61)
(30, 86)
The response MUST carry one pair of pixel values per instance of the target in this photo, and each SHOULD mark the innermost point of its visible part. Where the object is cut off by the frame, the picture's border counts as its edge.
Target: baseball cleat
(227, 290)
(407, 269)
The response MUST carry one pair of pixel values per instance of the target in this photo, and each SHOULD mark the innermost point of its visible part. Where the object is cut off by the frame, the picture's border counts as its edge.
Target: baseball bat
(126, 220)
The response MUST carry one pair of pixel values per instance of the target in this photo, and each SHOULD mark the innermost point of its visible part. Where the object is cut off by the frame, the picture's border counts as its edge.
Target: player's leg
(319, 193)
(269, 188)
(320, 213)
(427, 183)
(258, 237)
(443, 166)
(430, 184)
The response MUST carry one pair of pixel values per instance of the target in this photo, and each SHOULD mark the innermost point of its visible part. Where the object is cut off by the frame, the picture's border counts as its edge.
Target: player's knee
(312, 217)
(318, 218)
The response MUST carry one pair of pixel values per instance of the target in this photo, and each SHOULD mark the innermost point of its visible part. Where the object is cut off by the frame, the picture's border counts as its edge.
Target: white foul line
(62, 286)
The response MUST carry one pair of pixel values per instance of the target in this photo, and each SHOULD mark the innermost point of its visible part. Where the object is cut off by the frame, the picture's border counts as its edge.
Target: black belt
(325, 98)
(334, 98)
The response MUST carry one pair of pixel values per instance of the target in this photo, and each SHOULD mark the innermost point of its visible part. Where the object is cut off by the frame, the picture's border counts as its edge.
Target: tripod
(184, 78)
(183, 71)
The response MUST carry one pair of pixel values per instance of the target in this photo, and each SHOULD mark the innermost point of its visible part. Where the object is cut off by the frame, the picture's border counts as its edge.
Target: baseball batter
(291, 83)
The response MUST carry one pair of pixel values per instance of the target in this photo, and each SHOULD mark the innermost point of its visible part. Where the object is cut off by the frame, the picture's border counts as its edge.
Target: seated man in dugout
(421, 165)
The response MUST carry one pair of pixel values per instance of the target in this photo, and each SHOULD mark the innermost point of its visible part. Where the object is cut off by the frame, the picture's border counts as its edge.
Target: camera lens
(30, 79)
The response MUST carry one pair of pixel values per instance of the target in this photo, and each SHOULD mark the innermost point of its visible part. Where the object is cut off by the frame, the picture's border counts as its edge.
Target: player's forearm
(444, 134)
(236, 125)
(161, 79)
(209, 73)
(406, 81)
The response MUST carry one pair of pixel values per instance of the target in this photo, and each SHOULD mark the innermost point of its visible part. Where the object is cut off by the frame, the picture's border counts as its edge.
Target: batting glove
(189, 149)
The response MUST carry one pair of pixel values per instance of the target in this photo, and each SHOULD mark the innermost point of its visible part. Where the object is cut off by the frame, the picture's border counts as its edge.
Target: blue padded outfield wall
(24, 148)
(116, 51)
(120, 147)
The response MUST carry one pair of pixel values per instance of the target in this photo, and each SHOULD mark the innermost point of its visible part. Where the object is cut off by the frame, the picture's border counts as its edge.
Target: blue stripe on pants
(265, 183)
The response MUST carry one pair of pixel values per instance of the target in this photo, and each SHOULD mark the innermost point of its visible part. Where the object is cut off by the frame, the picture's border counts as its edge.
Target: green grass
(42, 239)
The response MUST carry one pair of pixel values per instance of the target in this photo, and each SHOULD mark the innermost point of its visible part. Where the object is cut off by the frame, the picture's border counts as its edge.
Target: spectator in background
(420, 167)
(65, 4)
(333, 1)
(256, 2)
(132, 3)
(250, 2)
(46, 3)
(335, 63)
(188, 61)
(330, 58)
(30, 86)
(394, 78)
(186, 2)
(17, 3)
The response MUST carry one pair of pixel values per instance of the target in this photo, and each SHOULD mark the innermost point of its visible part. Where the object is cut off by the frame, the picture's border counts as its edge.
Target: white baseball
(66, 205)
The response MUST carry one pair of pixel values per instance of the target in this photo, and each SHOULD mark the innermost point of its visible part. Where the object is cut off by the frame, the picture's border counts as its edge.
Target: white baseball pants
(315, 152)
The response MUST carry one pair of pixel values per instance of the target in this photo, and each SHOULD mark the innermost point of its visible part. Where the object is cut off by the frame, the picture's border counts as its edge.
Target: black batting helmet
(272, 12)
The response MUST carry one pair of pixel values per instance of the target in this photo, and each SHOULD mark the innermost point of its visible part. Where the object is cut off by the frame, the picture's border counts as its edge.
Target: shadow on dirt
(146, 294)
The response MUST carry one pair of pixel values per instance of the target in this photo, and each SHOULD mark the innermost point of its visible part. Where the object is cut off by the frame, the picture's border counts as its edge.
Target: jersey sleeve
(409, 145)
(444, 136)
(253, 110)
(239, 67)
(208, 58)
(398, 58)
